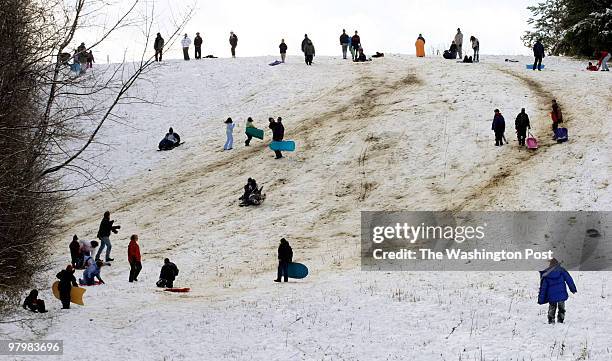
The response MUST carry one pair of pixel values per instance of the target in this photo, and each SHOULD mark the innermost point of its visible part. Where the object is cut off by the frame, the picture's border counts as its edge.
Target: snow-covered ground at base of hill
(398, 133)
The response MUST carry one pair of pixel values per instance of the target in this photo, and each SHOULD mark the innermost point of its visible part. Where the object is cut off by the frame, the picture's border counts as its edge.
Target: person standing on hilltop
(499, 127)
(420, 46)
(308, 49)
(459, 42)
(197, 44)
(476, 47)
(185, 42)
(233, 40)
(283, 50)
(538, 53)
(158, 45)
(356, 44)
(344, 42)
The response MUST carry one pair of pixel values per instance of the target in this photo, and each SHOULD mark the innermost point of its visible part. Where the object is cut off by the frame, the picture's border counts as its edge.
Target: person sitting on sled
(592, 67)
(249, 188)
(33, 303)
(92, 272)
(168, 274)
(170, 141)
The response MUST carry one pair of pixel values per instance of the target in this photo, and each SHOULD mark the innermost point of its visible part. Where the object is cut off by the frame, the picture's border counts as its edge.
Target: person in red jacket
(556, 116)
(603, 59)
(134, 258)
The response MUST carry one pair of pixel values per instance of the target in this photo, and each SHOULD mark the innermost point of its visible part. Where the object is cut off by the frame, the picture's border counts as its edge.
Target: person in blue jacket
(92, 272)
(553, 290)
(499, 127)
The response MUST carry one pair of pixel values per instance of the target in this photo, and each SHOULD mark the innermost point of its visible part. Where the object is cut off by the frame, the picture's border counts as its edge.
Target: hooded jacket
(552, 285)
(499, 124)
(285, 253)
(522, 122)
(168, 272)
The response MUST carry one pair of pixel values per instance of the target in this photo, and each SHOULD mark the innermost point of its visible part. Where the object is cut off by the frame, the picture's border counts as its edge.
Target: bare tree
(50, 115)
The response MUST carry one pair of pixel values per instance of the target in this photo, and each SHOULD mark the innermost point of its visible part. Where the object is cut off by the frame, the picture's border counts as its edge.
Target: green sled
(255, 133)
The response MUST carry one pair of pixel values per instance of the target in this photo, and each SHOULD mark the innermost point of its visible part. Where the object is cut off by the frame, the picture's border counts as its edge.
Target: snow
(398, 133)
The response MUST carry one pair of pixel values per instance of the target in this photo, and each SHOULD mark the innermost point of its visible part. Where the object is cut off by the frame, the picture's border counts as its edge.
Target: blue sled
(297, 270)
(285, 145)
(561, 135)
(530, 66)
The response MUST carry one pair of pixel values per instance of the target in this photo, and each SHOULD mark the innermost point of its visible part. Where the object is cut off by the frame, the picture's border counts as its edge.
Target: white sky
(386, 25)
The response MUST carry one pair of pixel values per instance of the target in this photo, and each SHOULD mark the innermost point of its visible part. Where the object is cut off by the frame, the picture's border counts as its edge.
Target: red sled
(178, 290)
(531, 142)
(82, 283)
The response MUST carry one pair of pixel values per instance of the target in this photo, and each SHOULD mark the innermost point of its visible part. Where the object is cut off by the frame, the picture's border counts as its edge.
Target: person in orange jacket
(134, 258)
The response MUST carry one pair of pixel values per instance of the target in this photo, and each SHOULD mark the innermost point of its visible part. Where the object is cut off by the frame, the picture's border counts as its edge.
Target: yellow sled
(76, 293)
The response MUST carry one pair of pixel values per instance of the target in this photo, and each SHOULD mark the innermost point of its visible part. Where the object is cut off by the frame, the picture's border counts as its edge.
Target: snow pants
(552, 310)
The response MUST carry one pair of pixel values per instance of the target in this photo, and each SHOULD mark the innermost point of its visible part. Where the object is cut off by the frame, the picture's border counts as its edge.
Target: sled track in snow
(488, 192)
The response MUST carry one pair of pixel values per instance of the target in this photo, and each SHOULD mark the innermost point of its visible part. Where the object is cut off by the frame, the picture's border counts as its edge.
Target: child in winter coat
(66, 282)
(91, 273)
(249, 124)
(556, 116)
(229, 132)
(33, 303)
(499, 127)
(553, 290)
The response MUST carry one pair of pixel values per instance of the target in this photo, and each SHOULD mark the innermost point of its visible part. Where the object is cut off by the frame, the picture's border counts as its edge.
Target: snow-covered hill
(398, 133)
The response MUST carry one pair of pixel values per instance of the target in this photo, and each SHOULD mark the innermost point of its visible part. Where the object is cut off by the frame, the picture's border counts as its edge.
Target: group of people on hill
(352, 44)
(456, 49)
(521, 125)
(197, 45)
(82, 59)
(277, 127)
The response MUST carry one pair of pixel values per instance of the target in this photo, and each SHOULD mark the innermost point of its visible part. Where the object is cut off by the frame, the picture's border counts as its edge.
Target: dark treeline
(571, 27)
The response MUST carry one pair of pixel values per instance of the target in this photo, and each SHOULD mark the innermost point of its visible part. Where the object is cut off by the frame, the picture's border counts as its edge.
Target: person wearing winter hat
(553, 291)
(229, 132)
(66, 282)
(499, 128)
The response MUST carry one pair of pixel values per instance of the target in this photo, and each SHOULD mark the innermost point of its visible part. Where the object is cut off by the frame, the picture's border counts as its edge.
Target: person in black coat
(66, 282)
(499, 127)
(233, 40)
(106, 227)
(33, 303)
(197, 44)
(278, 133)
(283, 50)
(75, 252)
(538, 53)
(168, 274)
(285, 256)
(158, 45)
(521, 124)
(356, 44)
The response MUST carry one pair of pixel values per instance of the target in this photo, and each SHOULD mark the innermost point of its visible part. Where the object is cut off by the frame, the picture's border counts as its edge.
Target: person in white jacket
(459, 42)
(229, 132)
(185, 42)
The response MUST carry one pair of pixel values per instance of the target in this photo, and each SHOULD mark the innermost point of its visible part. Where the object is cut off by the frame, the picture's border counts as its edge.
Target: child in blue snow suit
(553, 290)
(229, 133)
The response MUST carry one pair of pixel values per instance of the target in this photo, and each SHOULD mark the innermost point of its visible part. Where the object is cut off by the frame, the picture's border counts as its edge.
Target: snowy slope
(397, 133)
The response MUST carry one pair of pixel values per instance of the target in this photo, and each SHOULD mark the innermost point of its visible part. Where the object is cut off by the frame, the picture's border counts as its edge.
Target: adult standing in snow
(87, 248)
(91, 273)
(249, 124)
(556, 116)
(499, 127)
(233, 40)
(90, 59)
(82, 51)
(308, 49)
(344, 42)
(553, 291)
(538, 53)
(134, 258)
(229, 132)
(283, 50)
(106, 227)
(278, 133)
(66, 282)
(75, 252)
(185, 42)
(521, 124)
(197, 44)
(356, 44)
(459, 42)
(158, 45)
(420, 46)
(285, 256)
(603, 59)
(168, 274)
(476, 47)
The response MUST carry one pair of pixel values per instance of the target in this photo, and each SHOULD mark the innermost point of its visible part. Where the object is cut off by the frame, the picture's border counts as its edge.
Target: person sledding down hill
(170, 141)
(252, 194)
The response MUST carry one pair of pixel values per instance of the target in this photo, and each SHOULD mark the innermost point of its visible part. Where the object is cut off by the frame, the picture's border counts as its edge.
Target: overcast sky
(385, 25)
